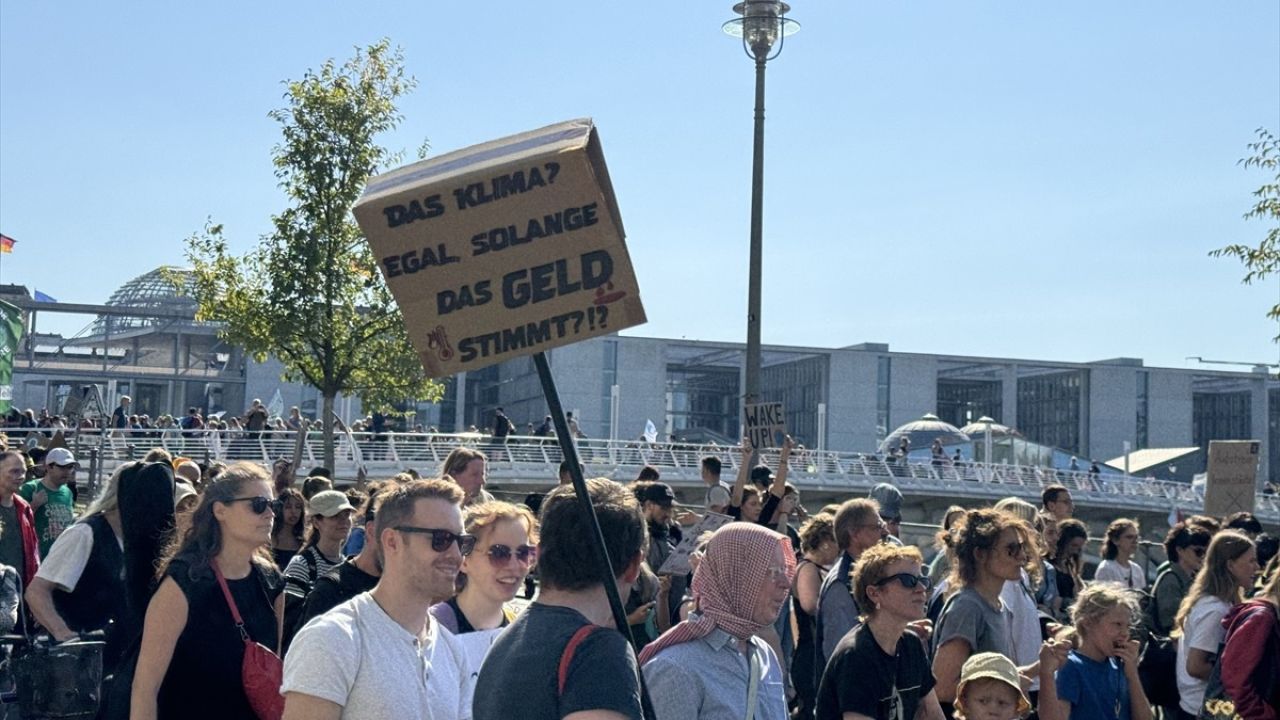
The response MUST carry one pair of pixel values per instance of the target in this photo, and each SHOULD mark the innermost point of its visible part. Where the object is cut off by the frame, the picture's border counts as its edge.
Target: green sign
(10, 335)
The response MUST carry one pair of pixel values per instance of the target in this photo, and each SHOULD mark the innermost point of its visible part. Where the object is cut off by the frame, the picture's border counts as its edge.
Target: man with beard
(657, 499)
(379, 655)
(713, 665)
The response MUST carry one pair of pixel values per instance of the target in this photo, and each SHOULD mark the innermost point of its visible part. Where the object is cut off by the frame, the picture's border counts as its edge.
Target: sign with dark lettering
(765, 424)
(503, 249)
(1233, 477)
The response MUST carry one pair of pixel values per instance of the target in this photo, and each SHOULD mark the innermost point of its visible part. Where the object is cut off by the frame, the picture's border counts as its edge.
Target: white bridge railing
(534, 461)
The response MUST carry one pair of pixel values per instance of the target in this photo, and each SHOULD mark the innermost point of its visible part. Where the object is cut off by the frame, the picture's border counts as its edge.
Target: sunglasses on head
(257, 504)
(907, 580)
(442, 539)
(500, 555)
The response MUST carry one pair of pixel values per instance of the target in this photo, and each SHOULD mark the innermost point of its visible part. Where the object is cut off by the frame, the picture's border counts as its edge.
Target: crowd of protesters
(397, 598)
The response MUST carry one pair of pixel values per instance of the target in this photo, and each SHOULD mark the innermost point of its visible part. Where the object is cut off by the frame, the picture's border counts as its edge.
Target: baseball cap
(761, 475)
(889, 499)
(182, 490)
(994, 666)
(328, 503)
(660, 493)
(60, 456)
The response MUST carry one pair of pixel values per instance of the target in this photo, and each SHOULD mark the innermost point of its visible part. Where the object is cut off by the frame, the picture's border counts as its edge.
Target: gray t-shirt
(10, 537)
(983, 626)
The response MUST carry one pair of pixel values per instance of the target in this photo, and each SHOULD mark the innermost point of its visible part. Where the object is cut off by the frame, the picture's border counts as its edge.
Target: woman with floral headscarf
(712, 665)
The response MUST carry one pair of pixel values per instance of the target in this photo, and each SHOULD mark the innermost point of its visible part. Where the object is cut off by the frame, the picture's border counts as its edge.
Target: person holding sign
(745, 503)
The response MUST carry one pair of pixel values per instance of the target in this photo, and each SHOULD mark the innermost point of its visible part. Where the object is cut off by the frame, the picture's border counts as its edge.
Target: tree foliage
(309, 292)
(1264, 260)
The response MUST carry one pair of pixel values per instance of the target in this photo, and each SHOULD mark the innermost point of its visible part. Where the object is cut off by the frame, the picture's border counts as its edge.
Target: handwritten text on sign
(764, 422)
(504, 249)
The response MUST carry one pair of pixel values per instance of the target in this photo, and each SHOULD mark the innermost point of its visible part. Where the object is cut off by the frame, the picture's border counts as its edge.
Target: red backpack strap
(566, 658)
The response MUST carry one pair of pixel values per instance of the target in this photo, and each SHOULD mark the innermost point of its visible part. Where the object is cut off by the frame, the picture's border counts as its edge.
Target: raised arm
(780, 478)
(744, 470)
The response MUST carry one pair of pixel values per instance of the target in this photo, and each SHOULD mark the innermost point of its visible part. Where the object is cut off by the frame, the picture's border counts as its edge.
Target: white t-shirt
(68, 556)
(1025, 626)
(1202, 631)
(358, 657)
(1131, 577)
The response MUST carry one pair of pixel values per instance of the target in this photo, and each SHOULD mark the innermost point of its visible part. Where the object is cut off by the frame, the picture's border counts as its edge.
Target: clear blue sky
(1021, 179)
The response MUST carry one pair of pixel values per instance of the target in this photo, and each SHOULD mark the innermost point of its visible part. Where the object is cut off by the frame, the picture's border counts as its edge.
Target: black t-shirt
(519, 676)
(333, 588)
(770, 505)
(203, 679)
(862, 678)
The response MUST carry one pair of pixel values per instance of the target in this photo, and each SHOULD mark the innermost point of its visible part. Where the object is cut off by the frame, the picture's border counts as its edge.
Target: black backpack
(1158, 665)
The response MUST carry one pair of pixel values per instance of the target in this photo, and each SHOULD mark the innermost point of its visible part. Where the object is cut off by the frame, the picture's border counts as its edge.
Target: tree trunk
(327, 414)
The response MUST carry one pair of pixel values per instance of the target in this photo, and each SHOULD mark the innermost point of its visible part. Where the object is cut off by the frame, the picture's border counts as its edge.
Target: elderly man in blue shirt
(711, 666)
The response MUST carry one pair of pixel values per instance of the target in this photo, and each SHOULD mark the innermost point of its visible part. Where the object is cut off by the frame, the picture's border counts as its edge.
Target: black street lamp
(763, 26)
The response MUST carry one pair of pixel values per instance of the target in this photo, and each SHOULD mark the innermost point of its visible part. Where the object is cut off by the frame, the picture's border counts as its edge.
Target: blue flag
(41, 297)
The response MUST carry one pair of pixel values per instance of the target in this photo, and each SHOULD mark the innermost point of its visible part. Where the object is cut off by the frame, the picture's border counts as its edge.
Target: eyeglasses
(500, 555)
(877, 526)
(1198, 550)
(257, 504)
(778, 576)
(442, 539)
(907, 580)
(1015, 548)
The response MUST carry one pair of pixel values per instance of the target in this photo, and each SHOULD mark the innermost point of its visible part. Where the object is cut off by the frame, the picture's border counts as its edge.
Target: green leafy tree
(1264, 260)
(309, 292)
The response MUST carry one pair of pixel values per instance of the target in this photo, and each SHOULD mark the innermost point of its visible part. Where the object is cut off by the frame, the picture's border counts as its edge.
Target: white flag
(650, 431)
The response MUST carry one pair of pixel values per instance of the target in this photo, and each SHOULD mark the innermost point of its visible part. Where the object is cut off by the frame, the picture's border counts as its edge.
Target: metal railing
(523, 459)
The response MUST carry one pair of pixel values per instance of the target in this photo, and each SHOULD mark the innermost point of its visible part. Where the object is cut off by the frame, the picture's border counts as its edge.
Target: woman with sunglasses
(506, 550)
(289, 527)
(191, 655)
(880, 670)
(991, 548)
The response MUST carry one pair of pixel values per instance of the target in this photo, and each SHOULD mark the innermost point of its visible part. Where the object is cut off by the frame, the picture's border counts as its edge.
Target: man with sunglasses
(858, 527)
(562, 658)
(1185, 546)
(380, 654)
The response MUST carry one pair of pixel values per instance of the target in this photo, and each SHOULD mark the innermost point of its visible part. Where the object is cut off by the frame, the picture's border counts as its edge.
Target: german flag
(6, 244)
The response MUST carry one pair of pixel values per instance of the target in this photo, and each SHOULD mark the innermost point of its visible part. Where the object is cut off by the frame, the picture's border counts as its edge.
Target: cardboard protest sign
(1233, 477)
(677, 563)
(764, 423)
(503, 249)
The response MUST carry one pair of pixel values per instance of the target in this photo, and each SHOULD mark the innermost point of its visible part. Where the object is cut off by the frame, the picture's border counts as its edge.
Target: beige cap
(182, 490)
(995, 666)
(328, 503)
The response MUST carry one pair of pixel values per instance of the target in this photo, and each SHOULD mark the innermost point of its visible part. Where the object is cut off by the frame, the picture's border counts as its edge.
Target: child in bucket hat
(989, 689)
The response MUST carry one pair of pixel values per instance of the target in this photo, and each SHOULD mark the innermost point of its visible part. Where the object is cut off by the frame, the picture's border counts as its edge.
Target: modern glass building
(850, 398)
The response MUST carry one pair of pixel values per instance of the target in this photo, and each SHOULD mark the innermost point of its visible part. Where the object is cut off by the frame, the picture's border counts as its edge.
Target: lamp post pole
(762, 26)
(755, 263)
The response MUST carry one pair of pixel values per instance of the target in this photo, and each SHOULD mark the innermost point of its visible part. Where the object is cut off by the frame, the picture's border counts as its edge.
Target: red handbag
(262, 671)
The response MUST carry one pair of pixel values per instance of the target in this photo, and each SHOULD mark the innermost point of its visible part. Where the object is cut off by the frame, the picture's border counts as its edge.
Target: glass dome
(921, 434)
(155, 290)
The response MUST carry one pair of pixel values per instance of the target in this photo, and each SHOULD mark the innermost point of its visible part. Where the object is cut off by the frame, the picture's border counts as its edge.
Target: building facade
(849, 398)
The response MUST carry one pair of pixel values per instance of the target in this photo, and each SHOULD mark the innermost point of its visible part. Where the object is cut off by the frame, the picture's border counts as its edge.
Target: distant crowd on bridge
(423, 595)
